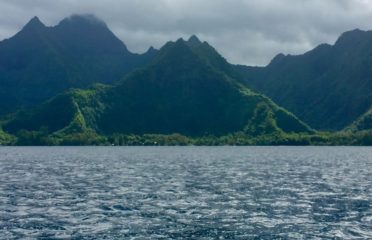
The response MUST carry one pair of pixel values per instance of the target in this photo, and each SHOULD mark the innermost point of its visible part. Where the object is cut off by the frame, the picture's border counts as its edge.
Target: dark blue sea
(185, 193)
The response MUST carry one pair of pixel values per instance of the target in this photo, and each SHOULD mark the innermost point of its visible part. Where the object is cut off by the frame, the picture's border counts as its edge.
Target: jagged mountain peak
(194, 38)
(194, 41)
(180, 40)
(352, 37)
(277, 59)
(83, 20)
(91, 33)
(35, 20)
(151, 50)
(33, 24)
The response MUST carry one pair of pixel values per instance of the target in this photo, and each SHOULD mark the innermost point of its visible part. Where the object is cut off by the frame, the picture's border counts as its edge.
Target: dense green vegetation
(89, 137)
(241, 139)
(6, 139)
(179, 92)
(328, 87)
(184, 94)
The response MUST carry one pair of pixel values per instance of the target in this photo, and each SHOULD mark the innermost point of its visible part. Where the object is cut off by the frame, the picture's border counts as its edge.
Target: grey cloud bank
(245, 32)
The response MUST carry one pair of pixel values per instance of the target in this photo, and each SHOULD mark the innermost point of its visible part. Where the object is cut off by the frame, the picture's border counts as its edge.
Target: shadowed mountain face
(40, 62)
(183, 90)
(328, 87)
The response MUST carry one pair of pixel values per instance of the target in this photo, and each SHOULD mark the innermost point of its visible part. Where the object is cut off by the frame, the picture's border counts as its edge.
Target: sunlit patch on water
(186, 192)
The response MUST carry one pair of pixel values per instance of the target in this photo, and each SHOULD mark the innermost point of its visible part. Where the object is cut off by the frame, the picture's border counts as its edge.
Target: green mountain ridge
(328, 87)
(77, 83)
(180, 91)
(364, 122)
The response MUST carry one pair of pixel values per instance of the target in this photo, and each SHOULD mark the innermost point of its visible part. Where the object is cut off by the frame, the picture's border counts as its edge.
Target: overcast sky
(244, 31)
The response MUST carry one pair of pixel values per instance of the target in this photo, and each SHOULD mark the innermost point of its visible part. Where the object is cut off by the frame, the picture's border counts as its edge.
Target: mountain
(328, 87)
(364, 122)
(182, 90)
(40, 62)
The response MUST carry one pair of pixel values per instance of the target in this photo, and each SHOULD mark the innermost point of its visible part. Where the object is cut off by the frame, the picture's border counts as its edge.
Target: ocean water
(185, 193)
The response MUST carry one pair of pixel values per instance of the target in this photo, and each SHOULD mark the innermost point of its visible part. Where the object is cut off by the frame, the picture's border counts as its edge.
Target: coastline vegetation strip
(91, 138)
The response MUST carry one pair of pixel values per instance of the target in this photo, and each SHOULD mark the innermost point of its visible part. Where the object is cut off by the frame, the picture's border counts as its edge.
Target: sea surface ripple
(185, 193)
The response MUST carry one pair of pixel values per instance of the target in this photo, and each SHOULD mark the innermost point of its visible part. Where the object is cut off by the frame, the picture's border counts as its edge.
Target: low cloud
(244, 31)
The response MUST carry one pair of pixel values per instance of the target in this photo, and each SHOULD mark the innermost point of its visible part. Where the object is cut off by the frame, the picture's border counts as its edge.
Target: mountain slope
(328, 87)
(364, 122)
(40, 62)
(180, 91)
